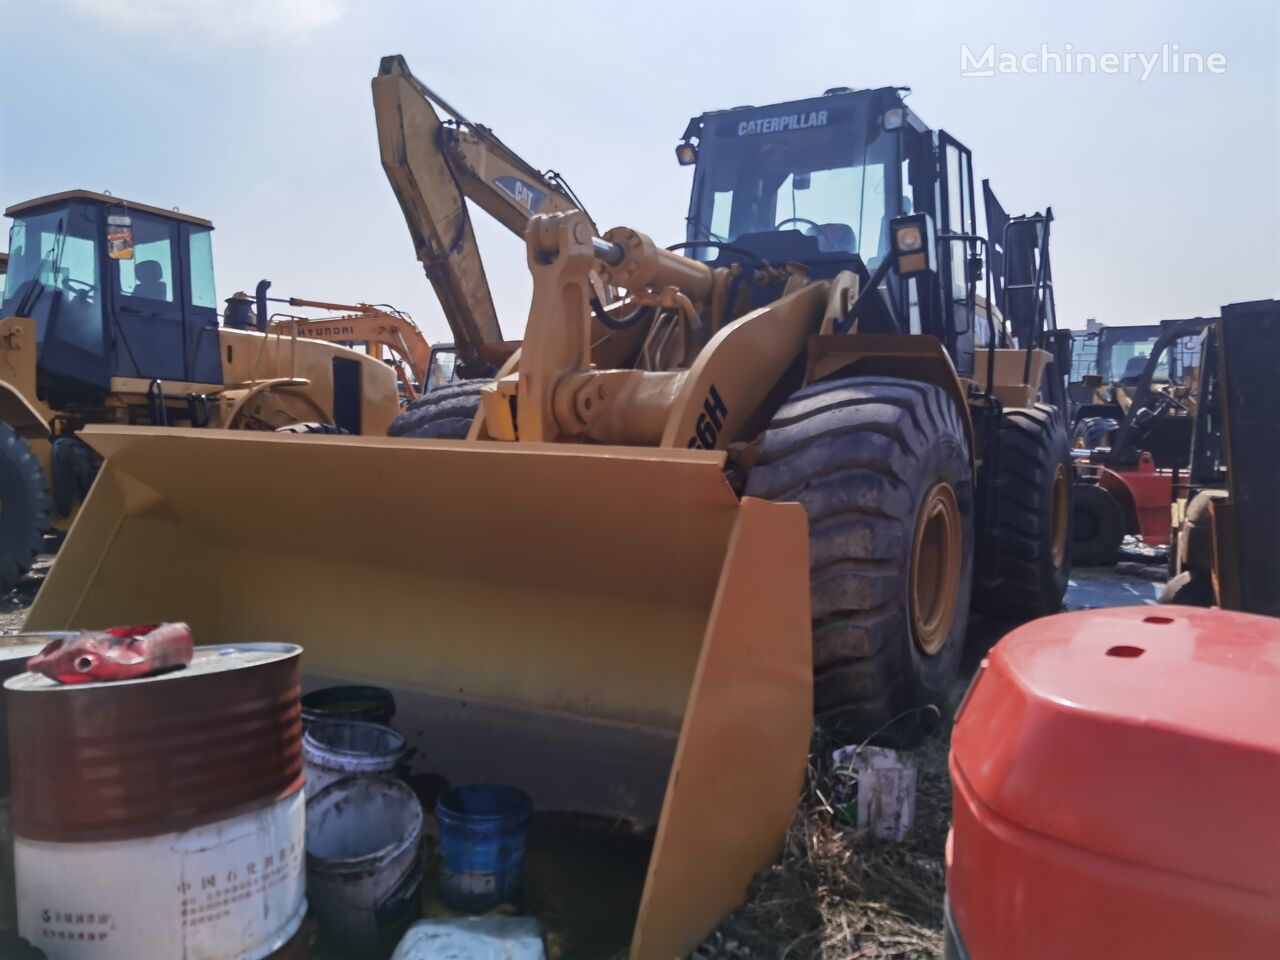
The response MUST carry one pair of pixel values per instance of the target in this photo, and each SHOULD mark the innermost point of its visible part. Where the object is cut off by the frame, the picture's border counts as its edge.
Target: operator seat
(150, 281)
(836, 238)
(1133, 371)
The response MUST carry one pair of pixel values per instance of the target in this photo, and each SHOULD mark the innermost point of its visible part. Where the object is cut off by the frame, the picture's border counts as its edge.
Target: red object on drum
(120, 653)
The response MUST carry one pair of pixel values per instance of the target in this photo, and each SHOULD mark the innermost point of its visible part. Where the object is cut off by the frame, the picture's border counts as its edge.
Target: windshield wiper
(703, 228)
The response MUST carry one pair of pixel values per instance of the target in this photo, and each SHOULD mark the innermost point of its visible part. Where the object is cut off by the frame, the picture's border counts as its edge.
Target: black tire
(1191, 588)
(1097, 525)
(863, 454)
(443, 414)
(325, 428)
(24, 507)
(1028, 542)
(73, 465)
(1094, 432)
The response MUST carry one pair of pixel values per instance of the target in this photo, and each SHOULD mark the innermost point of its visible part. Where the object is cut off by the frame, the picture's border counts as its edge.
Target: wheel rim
(935, 568)
(1061, 513)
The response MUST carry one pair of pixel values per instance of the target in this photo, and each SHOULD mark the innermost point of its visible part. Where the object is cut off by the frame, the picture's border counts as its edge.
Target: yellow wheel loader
(705, 497)
(109, 317)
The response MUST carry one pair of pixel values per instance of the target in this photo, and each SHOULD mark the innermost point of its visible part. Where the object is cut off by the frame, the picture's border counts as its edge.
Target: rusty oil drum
(162, 816)
(14, 653)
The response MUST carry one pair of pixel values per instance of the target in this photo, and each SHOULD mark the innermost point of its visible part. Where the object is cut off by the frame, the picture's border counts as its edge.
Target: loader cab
(1123, 351)
(820, 181)
(122, 295)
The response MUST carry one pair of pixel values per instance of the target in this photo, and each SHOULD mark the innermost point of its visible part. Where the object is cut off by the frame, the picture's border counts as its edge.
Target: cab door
(958, 216)
(147, 300)
(203, 361)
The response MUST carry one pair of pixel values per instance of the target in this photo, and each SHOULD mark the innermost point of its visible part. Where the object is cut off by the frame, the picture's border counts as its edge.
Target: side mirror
(801, 181)
(973, 267)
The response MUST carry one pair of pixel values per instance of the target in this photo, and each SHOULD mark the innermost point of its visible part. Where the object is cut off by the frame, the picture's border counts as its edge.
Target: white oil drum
(162, 817)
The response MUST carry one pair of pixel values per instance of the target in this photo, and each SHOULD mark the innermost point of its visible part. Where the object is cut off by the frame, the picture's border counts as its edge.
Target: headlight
(910, 238)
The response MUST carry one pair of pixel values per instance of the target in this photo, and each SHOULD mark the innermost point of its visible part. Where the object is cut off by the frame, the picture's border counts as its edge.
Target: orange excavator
(384, 331)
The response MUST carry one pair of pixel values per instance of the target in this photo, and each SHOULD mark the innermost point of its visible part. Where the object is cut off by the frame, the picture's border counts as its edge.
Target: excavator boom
(434, 166)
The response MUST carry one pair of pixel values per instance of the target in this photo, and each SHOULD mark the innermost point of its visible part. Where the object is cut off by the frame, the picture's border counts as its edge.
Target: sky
(257, 115)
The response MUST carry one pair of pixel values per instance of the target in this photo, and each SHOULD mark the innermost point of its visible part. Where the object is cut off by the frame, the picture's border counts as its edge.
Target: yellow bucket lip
(109, 440)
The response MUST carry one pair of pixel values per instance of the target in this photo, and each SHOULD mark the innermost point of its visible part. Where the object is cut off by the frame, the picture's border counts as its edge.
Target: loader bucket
(609, 629)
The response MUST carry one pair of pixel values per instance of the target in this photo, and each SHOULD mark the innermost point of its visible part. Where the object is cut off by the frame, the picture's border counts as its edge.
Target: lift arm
(434, 166)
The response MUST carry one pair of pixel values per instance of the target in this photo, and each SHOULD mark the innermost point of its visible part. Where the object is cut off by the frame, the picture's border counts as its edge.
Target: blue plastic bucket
(482, 838)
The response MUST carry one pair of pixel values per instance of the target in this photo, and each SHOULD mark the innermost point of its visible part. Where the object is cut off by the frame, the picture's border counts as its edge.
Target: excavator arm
(434, 166)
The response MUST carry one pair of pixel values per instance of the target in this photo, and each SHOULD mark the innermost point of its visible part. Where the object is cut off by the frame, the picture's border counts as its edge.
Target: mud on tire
(443, 414)
(1027, 544)
(863, 455)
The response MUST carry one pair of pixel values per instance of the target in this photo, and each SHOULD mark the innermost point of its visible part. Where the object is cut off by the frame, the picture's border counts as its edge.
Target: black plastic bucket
(370, 704)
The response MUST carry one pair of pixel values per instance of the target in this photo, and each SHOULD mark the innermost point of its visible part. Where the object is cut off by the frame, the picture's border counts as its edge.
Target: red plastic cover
(1116, 778)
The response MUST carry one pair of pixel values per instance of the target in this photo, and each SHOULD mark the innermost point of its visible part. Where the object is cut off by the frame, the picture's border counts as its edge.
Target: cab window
(200, 257)
(149, 275)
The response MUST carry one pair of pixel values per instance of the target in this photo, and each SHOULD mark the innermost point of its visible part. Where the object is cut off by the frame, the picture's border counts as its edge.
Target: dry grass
(838, 894)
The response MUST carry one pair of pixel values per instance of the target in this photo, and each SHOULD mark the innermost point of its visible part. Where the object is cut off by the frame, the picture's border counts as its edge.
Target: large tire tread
(1098, 526)
(443, 414)
(1094, 432)
(25, 504)
(859, 453)
(1024, 582)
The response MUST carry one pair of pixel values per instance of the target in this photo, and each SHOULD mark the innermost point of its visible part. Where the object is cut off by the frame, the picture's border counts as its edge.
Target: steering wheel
(783, 223)
(1166, 401)
(83, 289)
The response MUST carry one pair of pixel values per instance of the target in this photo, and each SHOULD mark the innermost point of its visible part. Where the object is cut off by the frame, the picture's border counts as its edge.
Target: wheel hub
(936, 564)
(1061, 515)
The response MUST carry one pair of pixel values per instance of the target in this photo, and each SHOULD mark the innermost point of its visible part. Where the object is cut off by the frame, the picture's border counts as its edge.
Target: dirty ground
(837, 894)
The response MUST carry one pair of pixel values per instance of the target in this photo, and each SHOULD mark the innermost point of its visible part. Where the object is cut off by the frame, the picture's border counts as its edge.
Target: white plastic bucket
(364, 862)
(333, 749)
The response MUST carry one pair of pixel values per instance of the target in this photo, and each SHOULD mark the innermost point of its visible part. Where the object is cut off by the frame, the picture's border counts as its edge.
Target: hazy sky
(257, 115)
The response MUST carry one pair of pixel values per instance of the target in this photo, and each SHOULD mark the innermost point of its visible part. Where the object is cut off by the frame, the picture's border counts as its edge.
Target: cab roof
(52, 199)
(881, 96)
